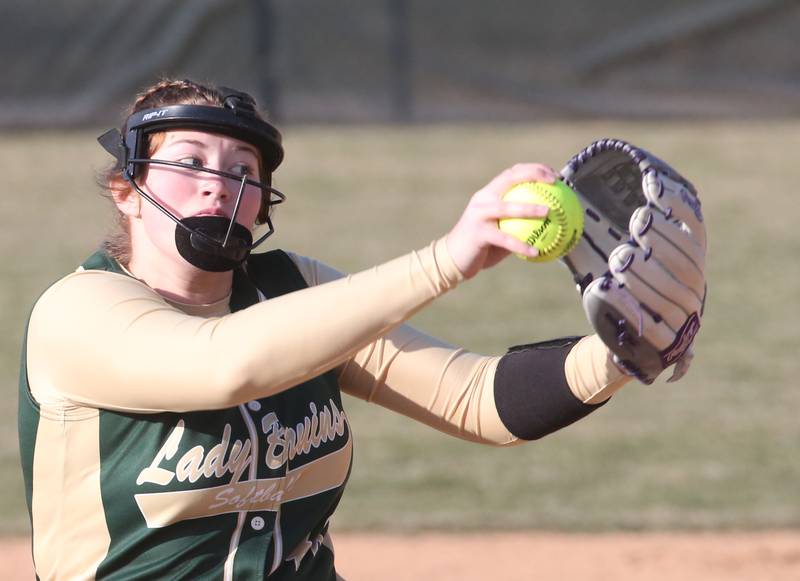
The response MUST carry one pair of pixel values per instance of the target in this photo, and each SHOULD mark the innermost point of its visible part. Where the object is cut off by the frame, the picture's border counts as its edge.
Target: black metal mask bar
(235, 212)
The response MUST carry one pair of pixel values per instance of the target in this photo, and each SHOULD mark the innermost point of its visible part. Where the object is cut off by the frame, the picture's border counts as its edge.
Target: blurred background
(393, 113)
(72, 63)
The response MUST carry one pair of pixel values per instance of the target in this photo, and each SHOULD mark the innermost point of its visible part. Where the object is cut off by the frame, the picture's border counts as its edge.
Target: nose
(216, 186)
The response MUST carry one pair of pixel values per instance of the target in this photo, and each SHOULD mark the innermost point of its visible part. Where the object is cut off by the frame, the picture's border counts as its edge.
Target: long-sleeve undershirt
(103, 340)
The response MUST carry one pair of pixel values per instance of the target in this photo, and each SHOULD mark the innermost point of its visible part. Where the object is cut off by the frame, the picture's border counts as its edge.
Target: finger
(500, 210)
(673, 247)
(517, 174)
(653, 286)
(491, 236)
(500, 239)
(676, 201)
(494, 210)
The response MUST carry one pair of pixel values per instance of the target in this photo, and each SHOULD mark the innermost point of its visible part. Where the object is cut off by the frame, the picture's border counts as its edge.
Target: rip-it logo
(154, 115)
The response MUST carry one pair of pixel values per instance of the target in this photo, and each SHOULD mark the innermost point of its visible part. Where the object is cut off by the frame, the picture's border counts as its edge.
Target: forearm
(122, 347)
(420, 377)
(543, 387)
(523, 395)
(591, 373)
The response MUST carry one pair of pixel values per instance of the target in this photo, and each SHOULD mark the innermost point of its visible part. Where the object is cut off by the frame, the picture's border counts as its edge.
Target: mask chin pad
(199, 241)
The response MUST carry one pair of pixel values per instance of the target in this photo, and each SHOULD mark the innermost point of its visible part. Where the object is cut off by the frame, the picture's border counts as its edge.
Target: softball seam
(558, 216)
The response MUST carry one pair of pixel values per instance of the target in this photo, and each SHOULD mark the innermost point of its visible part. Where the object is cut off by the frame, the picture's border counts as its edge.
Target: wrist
(449, 250)
(592, 372)
(446, 263)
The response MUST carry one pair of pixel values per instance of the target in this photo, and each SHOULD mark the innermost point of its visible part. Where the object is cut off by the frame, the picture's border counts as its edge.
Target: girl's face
(188, 192)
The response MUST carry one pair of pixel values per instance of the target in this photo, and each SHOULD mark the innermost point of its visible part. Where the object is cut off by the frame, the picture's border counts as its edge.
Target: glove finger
(646, 220)
(676, 200)
(619, 321)
(672, 246)
(616, 306)
(650, 284)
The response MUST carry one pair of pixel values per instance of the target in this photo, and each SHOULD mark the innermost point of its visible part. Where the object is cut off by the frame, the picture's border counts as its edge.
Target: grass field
(720, 450)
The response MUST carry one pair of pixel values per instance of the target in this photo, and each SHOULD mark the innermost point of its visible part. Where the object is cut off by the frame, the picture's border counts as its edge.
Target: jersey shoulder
(313, 271)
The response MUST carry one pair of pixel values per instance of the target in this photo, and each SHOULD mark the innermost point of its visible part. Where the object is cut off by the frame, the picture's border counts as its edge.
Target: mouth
(213, 212)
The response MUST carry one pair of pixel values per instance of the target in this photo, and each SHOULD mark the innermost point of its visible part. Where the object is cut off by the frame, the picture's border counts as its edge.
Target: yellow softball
(557, 233)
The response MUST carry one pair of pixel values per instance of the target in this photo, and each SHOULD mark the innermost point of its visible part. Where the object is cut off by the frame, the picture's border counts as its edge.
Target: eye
(191, 160)
(243, 169)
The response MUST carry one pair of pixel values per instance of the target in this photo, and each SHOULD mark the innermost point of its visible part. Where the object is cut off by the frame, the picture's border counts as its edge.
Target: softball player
(180, 408)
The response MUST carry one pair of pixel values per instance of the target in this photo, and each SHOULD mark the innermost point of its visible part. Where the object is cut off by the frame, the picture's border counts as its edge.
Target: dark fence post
(266, 44)
(400, 57)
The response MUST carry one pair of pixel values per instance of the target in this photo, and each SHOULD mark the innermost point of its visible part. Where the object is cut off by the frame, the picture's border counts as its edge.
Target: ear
(125, 197)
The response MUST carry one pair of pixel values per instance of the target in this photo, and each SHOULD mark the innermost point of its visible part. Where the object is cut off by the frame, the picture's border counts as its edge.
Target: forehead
(204, 140)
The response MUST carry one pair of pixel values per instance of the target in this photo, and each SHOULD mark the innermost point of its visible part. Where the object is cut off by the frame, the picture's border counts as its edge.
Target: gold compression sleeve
(449, 388)
(418, 376)
(591, 372)
(106, 340)
(452, 390)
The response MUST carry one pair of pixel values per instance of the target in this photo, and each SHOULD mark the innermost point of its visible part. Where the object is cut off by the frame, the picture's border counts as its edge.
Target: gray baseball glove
(640, 265)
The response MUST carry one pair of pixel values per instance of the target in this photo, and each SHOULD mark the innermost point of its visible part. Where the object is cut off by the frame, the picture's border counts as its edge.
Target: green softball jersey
(161, 440)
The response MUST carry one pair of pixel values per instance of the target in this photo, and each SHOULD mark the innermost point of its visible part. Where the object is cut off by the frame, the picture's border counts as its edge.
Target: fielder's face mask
(211, 243)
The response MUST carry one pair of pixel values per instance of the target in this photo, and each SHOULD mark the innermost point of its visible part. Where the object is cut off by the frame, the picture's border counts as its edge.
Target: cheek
(157, 225)
(170, 188)
(248, 209)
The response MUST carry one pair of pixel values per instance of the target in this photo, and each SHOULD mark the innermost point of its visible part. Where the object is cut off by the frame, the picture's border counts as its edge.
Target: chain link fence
(80, 62)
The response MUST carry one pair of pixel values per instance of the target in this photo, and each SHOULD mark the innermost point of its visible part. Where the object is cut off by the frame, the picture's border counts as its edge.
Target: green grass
(718, 450)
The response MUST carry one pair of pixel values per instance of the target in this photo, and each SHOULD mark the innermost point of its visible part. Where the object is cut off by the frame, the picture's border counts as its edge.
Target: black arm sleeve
(531, 391)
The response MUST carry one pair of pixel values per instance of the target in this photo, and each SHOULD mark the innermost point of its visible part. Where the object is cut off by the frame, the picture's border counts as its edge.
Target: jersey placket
(243, 515)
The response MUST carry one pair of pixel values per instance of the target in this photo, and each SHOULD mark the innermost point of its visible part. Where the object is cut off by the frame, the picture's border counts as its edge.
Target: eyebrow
(197, 142)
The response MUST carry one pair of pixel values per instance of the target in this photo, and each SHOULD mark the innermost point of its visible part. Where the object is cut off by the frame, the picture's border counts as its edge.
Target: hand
(640, 265)
(475, 242)
(648, 307)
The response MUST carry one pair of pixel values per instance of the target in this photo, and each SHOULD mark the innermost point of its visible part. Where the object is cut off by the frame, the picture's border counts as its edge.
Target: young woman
(180, 398)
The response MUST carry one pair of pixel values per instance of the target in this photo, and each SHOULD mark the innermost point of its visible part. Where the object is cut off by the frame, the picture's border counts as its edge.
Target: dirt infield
(769, 556)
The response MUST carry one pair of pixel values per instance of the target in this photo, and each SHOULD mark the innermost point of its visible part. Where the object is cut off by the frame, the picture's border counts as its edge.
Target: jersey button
(257, 523)
(253, 406)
